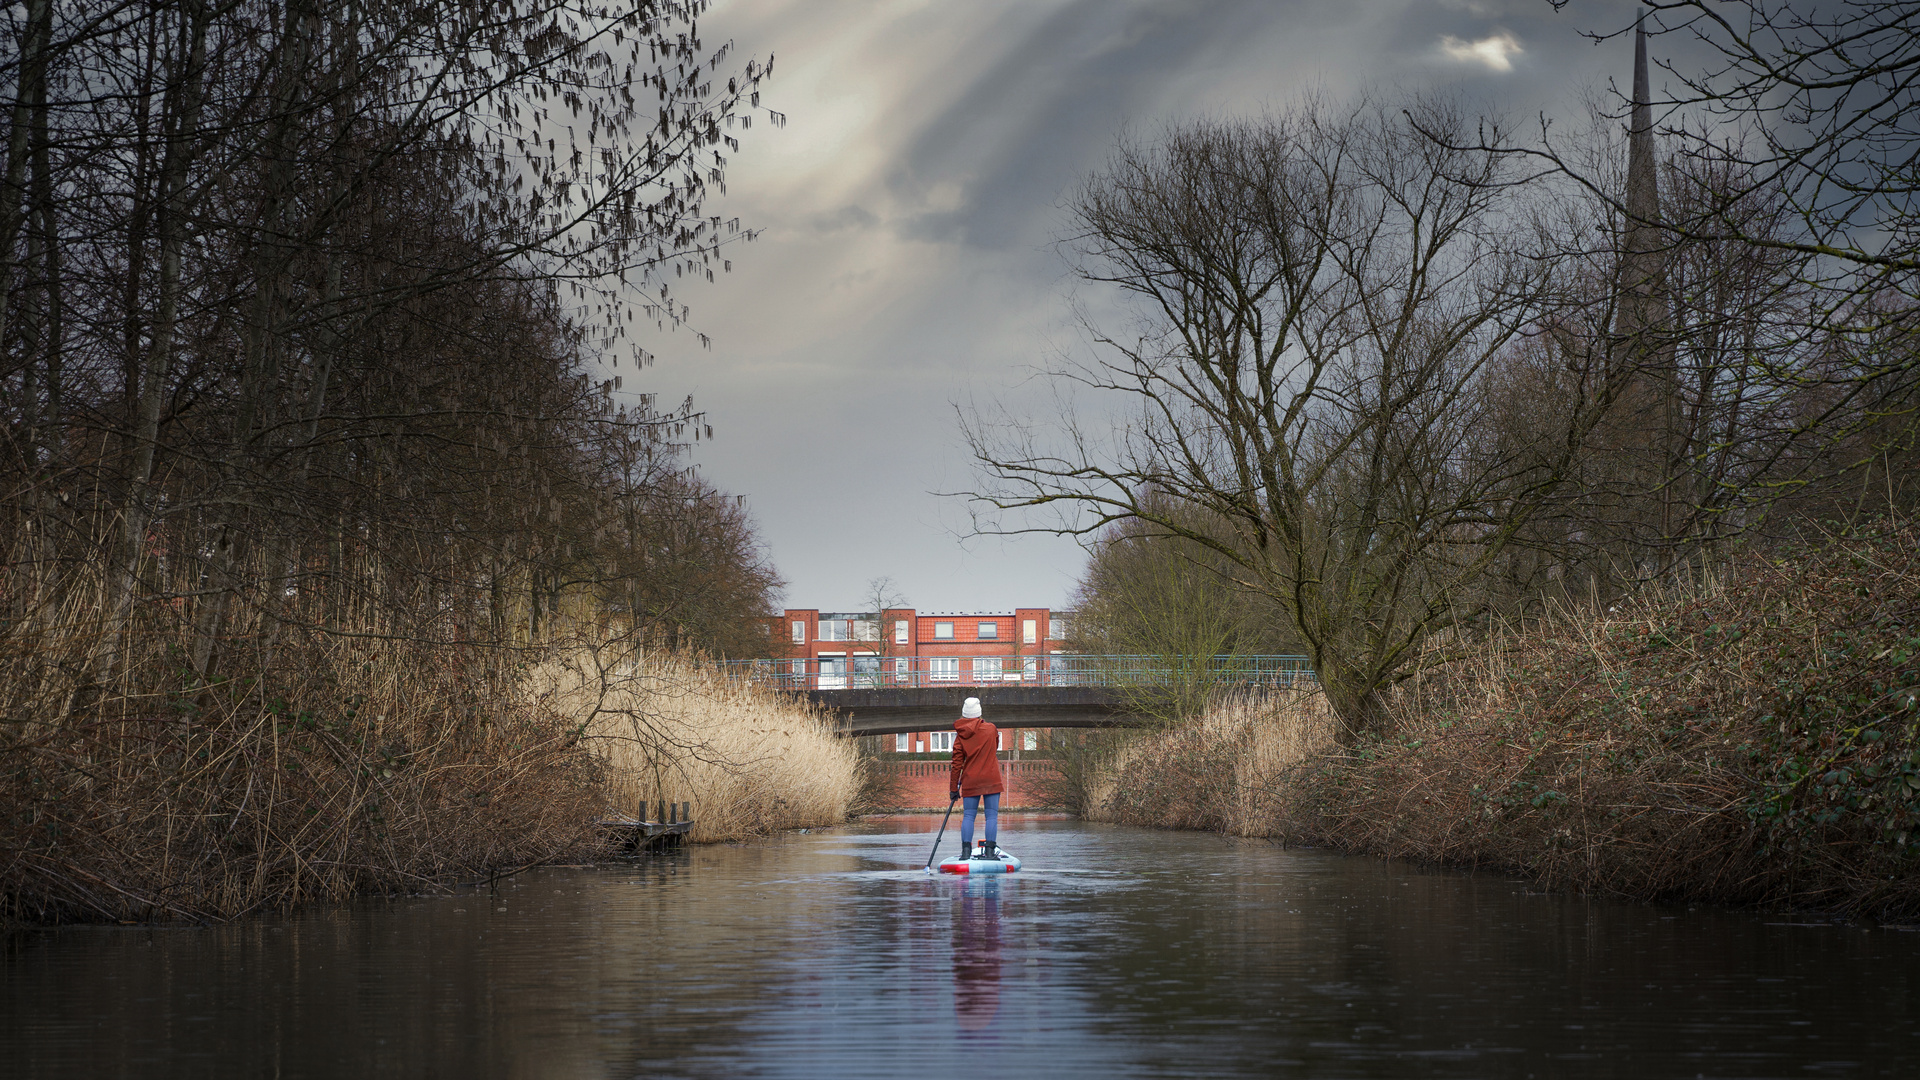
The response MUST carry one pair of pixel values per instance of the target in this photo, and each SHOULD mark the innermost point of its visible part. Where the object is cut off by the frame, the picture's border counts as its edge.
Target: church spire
(1642, 261)
(1643, 198)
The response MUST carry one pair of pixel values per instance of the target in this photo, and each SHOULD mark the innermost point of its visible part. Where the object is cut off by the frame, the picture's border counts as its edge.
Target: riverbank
(371, 766)
(670, 728)
(1747, 738)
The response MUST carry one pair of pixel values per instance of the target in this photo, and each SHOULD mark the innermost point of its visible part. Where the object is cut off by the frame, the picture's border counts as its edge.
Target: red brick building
(831, 650)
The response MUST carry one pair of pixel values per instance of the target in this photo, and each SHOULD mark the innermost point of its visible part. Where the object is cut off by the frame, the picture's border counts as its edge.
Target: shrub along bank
(1222, 772)
(1752, 738)
(377, 766)
(671, 728)
(1748, 739)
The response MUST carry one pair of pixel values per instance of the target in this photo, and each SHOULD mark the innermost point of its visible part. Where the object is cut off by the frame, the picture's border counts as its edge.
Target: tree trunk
(187, 89)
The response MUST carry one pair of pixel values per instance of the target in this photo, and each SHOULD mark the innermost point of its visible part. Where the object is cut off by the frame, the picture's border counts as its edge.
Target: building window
(942, 741)
(986, 669)
(989, 630)
(799, 632)
(866, 630)
(943, 631)
(944, 669)
(1030, 668)
(835, 629)
(1029, 740)
(902, 743)
(902, 669)
(900, 632)
(1030, 631)
(1057, 629)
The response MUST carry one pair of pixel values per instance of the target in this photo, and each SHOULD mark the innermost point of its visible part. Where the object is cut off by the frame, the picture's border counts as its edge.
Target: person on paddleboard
(976, 776)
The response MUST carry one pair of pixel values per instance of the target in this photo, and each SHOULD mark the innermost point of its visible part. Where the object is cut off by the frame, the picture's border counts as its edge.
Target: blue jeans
(967, 806)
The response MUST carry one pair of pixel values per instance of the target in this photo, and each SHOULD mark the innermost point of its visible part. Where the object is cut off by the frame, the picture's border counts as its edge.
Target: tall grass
(1220, 772)
(351, 764)
(669, 727)
(1749, 736)
(363, 763)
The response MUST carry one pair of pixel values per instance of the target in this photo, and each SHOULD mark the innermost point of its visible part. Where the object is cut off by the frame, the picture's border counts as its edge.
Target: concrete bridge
(883, 695)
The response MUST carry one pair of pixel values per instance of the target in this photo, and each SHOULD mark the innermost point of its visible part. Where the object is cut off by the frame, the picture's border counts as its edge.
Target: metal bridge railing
(877, 672)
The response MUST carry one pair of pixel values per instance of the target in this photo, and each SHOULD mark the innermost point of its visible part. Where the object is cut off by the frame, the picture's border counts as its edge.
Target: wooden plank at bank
(638, 833)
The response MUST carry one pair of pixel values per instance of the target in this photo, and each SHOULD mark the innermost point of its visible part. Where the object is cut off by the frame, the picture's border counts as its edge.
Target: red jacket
(976, 761)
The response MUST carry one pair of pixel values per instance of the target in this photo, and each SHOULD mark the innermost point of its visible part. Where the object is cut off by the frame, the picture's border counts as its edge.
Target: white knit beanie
(970, 708)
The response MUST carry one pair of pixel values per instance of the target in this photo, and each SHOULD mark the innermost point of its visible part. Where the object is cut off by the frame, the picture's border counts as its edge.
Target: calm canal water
(1118, 953)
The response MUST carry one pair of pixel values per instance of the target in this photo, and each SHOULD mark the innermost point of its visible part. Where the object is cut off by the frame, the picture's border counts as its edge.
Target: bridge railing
(876, 672)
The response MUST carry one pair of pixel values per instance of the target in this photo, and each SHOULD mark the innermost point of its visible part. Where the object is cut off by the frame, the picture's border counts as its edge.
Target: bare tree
(1320, 301)
(1147, 594)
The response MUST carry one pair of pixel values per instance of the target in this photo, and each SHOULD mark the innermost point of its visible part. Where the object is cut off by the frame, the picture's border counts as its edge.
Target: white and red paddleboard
(1004, 864)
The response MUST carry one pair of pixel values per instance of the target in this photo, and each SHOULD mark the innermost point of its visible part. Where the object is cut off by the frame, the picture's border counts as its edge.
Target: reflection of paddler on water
(975, 779)
(976, 955)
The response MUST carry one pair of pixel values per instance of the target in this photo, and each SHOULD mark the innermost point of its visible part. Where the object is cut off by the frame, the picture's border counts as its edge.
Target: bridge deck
(892, 711)
(887, 695)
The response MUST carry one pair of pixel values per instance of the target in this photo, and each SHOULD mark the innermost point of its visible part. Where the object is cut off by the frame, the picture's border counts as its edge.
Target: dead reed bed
(1746, 737)
(369, 764)
(1218, 773)
(345, 765)
(669, 727)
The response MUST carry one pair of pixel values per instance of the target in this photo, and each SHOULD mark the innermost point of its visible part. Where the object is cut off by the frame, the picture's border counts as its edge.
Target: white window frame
(1030, 668)
(943, 669)
(1029, 739)
(943, 631)
(940, 742)
(1030, 632)
(900, 631)
(989, 669)
(902, 743)
(1056, 629)
(834, 630)
(987, 630)
(799, 631)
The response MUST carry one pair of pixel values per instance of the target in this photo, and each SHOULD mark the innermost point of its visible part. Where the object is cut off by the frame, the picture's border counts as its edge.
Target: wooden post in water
(643, 810)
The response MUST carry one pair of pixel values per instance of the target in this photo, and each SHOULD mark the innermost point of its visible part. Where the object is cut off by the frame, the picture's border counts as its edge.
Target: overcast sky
(910, 206)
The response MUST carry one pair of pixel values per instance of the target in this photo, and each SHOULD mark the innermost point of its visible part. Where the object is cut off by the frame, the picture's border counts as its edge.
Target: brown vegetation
(1752, 738)
(378, 765)
(358, 764)
(1221, 772)
(751, 760)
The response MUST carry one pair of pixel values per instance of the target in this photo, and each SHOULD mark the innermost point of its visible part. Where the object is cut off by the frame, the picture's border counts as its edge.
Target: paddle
(941, 836)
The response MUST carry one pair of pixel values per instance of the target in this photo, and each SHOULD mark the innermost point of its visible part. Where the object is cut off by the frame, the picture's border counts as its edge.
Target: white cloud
(1491, 51)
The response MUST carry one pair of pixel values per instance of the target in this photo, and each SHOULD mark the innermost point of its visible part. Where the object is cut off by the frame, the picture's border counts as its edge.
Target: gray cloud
(909, 207)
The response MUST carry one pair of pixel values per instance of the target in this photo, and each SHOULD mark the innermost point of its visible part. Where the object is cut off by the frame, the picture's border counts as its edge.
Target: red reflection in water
(976, 955)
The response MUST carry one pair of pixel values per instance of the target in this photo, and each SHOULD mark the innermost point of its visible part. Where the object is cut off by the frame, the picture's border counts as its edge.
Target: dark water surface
(1117, 953)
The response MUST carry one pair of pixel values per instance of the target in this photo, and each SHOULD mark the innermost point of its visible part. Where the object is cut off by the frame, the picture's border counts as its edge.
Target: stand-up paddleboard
(1004, 864)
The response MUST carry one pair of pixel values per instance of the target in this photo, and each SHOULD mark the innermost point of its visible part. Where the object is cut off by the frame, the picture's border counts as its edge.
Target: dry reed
(1217, 773)
(752, 761)
(353, 765)
(1745, 737)
(360, 764)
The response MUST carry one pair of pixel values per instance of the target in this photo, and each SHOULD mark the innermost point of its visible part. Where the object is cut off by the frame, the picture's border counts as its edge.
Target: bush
(1745, 738)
